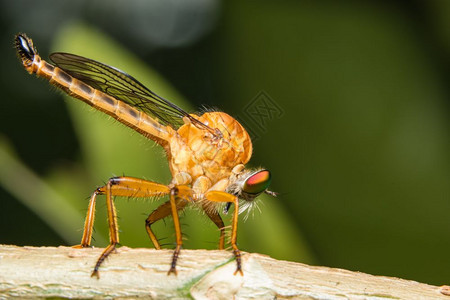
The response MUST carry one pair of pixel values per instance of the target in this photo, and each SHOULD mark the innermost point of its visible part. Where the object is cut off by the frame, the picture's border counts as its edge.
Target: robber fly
(207, 154)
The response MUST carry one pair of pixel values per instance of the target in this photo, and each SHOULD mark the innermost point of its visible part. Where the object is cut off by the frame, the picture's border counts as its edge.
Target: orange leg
(117, 186)
(215, 217)
(160, 213)
(219, 196)
(113, 229)
(89, 222)
(176, 222)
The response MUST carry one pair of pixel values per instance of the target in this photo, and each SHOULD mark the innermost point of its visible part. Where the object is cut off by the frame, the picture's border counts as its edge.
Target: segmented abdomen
(119, 110)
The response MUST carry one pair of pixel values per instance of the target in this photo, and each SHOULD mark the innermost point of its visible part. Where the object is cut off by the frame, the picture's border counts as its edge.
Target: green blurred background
(359, 153)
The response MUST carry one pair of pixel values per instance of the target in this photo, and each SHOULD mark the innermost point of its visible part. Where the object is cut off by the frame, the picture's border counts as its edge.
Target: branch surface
(202, 274)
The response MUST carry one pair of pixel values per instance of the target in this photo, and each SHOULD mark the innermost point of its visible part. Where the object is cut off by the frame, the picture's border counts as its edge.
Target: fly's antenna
(273, 194)
(26, 51)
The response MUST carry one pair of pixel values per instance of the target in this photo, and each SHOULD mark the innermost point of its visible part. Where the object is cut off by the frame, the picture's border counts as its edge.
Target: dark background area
(358, 148)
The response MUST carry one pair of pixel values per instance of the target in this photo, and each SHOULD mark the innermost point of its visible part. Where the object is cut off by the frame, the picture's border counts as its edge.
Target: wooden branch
(65, 272)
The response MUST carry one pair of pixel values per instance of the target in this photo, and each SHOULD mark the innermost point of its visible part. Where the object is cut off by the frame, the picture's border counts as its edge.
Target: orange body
(199, 158)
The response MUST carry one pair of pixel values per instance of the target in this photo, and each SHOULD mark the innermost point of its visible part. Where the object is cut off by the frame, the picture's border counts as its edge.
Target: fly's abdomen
(119, 110)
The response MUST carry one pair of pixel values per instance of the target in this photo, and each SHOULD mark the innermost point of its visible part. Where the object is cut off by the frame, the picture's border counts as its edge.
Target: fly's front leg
(219, 196)
(117, 186)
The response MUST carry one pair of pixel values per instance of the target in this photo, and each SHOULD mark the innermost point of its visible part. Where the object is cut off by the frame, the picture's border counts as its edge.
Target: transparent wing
(123, 87)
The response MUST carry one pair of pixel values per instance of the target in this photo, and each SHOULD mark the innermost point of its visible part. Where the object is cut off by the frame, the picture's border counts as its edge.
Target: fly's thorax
(199, 152)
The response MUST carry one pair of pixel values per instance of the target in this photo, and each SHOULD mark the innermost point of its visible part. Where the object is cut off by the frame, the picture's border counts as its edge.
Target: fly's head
(247, 185)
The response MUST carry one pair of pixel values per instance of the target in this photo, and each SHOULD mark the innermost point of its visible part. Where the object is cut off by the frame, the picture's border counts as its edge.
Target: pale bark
(130, 273)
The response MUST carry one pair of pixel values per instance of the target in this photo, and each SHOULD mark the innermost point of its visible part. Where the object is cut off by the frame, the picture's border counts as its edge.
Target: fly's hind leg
(163, 211)
(117, 186)
(113, 228)
(89, 221)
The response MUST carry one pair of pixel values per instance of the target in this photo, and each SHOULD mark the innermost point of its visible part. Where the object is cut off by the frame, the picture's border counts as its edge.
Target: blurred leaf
(34, 192)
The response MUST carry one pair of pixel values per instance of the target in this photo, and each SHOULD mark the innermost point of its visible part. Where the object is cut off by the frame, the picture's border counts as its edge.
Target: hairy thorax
(195, 153)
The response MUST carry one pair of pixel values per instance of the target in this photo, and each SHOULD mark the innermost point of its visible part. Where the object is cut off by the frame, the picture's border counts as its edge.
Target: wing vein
(123, 87)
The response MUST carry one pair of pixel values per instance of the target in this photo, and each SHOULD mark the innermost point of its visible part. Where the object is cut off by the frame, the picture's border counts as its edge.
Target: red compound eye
(257, 183)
